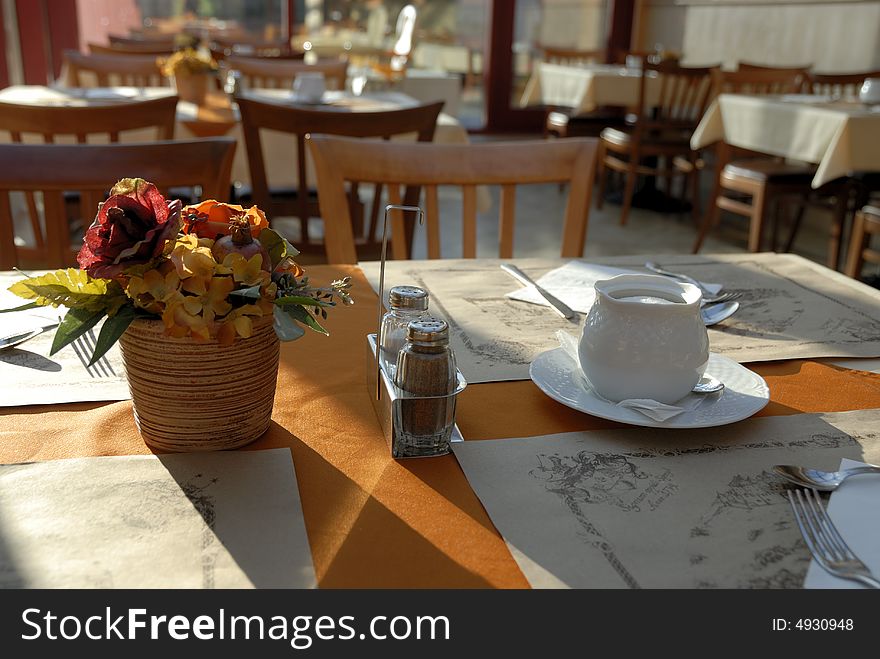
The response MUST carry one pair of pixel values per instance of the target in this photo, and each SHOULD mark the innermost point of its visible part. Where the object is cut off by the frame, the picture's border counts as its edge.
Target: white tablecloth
(840, 136)
(584, 88)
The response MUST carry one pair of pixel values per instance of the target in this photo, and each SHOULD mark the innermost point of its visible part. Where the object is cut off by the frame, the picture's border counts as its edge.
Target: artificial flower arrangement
(207, 271)
(187, 61)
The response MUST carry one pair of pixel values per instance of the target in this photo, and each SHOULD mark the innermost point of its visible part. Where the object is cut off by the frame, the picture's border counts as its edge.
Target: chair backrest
(131, 49)
(111, 70)
(759, 81)
(341, 159)
(257, 116)
(749, 66)
(280, 73)
(841, 84)
(52, 121)
(682, 95)
(91, 170)
(166, 42)
(571, 56)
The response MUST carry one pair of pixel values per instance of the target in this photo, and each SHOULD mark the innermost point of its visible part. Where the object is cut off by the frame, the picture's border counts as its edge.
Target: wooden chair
(563, 123)
(866, 224)
(91, 170)
(571, 56)
(50, 121)
(759, 183)
(662, 130)
(257, 116)
(760, 81)
(272, 73)
(340, 159)
(803, 69)
(112, 70)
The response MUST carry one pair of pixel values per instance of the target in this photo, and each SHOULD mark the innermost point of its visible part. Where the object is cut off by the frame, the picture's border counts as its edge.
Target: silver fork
(824, 541)
(708, 296)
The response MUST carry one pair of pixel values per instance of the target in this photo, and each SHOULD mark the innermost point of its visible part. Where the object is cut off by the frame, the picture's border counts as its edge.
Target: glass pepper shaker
(407, 303)
(426, 376)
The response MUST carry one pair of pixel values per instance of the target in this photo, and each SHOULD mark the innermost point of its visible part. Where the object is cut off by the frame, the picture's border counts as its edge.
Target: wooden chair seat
(766, 169)
(340, 160)
(866, 224)
(679, 141)
(561, 124)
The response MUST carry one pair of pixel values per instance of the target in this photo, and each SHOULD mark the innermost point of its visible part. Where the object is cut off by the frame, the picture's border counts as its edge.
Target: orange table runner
(371, 521)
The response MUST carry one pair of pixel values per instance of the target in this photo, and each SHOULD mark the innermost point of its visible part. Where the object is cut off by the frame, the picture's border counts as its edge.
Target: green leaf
(71, 288)
(301, 300)
(29, 305)
(303, 316)
(76, 323)
(277, 246)
(252, 293)
(286, 328)
(111, 331)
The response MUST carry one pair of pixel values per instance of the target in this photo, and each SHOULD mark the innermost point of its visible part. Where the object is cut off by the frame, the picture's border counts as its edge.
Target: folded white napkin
(573, 284)
(650, 408)
(852, 508)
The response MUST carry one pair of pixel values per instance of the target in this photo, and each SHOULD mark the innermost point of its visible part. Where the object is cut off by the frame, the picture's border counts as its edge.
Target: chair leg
(835, 240)
(603, 178)
(760, 201)
(629, 188)
(856, 247)
(795, 226)
(694, 180)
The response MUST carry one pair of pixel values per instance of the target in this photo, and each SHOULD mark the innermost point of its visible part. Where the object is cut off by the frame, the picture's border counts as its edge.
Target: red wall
(36, 44)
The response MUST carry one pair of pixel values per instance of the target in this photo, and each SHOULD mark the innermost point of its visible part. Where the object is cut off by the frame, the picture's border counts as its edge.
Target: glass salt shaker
(427, 378)
(407, 303)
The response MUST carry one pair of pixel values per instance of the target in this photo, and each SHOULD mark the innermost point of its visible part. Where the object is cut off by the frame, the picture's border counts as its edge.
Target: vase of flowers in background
(199, 297)
(191, 72)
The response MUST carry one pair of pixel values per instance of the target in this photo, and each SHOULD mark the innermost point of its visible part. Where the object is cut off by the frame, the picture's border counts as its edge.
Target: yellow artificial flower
(154, 290)
(246, 271)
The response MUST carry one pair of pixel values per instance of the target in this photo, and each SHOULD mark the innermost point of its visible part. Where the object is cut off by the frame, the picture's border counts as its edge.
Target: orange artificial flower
(211, 218)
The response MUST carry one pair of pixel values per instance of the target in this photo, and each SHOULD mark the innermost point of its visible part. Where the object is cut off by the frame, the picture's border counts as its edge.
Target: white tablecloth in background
(585, 88)
(840, 136)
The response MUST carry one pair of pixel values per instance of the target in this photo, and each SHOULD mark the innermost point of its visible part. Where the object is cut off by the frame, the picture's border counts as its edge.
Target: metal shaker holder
(387, 398)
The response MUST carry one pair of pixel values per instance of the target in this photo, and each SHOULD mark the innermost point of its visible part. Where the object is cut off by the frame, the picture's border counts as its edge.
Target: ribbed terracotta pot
(192, 87)
(196, 396)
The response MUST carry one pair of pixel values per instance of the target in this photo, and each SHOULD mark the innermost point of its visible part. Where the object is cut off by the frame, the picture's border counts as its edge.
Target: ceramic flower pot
(644, 338)
(200, 396)
(193, 87)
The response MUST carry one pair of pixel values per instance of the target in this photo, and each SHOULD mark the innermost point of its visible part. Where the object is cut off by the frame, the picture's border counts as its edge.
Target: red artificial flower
(130, 229)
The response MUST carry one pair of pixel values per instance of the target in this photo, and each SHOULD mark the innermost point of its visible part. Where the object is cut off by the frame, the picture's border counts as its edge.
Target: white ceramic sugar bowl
(644, 337)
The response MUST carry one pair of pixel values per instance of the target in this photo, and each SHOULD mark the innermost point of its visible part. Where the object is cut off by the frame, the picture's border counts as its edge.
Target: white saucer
(744, 393)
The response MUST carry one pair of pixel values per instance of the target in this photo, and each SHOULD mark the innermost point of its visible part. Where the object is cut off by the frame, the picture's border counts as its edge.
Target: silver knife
(560, 307)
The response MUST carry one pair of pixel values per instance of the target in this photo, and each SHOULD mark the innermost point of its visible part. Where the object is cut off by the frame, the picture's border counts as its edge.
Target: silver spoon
(708, 385)
(12, 340)
(714, 313)
(824, 481)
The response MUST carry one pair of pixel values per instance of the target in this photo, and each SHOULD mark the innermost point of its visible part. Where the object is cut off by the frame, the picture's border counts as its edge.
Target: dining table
(442, 522)
(586, 87)
(841, 135)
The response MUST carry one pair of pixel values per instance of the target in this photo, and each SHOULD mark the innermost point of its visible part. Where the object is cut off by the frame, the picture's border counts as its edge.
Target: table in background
(373, 521)
(840, 136)
(585, 88)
